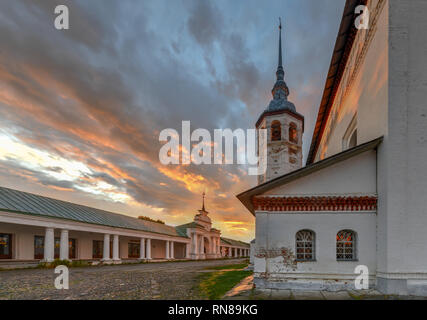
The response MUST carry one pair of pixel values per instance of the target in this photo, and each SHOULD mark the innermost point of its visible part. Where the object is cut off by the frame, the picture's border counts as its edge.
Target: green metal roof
(27, 203)
(182, 229)
(227, 241)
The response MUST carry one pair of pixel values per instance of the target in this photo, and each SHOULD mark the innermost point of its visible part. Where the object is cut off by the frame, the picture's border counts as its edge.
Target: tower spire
(280, 90)
(280, 73)
(203, 205)
(280, 42)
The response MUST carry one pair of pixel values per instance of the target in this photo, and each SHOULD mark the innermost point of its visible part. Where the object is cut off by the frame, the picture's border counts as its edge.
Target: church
(361, 198)
(37, 229)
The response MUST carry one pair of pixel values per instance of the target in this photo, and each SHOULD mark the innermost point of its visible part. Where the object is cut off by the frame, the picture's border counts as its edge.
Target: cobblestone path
(167, 280)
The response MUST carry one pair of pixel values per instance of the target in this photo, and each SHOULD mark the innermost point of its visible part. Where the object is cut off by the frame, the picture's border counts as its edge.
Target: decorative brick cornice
(316, 203)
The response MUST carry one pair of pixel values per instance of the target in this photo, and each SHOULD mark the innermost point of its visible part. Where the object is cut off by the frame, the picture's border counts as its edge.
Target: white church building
(34, 228)
(361, 198)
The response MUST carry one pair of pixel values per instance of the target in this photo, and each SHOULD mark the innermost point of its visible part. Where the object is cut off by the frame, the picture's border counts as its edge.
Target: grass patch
(214, 285)
(356, 296)
(228, 266)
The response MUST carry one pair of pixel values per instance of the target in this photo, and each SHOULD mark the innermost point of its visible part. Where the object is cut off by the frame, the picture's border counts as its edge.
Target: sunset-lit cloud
(81, 110)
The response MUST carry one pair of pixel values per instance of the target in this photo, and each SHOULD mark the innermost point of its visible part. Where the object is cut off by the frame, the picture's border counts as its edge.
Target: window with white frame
(305, 245)
(346, 245)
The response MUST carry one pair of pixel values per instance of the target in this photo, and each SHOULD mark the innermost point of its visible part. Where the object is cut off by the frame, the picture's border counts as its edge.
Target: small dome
(281, 104)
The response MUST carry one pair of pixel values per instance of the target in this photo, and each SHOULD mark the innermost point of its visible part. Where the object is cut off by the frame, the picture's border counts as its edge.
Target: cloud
(97, 95)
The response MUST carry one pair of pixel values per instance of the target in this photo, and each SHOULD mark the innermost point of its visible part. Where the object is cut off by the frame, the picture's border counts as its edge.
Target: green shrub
(58, 262)
(79, 263)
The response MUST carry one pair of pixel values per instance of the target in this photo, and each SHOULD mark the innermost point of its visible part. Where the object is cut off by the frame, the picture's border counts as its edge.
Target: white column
(172, 254)
(142, 249)
(106, 252)
(195, 250)
(148, 249)
(49, 245)
(64, 245)
(213, 241)
(116, 248)
(167, 249)
(187, 250)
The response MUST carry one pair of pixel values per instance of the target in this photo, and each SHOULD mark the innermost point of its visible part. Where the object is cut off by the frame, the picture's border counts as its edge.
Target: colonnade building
(34, 228)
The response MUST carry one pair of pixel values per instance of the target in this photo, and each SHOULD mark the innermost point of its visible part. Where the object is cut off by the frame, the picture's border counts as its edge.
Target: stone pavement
(167, 280)
(245, 291)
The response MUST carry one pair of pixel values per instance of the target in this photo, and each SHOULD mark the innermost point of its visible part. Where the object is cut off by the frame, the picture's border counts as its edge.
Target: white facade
(45, 235)
(206, 242)
(384, 89)
(25, 228)
(276, 264)
(370, 148)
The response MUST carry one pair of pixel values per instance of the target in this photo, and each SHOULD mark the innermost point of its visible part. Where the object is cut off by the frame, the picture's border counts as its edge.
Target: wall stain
(289, 259)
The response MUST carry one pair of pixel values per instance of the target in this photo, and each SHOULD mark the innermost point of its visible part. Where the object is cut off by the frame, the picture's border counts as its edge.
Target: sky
(81, 109)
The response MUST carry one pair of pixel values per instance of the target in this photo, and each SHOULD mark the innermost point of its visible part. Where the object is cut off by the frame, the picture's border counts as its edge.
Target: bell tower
(285, 127)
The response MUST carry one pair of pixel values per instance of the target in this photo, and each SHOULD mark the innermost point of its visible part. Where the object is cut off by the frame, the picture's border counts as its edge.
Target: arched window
(352, 142)
(346, 245)
(276, 131)
(293, 135)
(305, 245)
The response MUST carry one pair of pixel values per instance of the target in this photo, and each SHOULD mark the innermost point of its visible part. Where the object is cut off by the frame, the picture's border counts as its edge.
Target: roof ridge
(51, 207)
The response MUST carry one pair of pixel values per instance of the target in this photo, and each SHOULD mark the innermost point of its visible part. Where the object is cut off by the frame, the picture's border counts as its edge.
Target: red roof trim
(324, 203)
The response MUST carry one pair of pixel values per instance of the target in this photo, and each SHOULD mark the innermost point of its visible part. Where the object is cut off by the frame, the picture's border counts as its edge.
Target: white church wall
(276, 233)
(354, 175)
(365, 94)
(402, 181)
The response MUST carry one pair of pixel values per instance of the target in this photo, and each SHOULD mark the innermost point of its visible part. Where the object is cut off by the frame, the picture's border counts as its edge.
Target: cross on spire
(280, 73)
